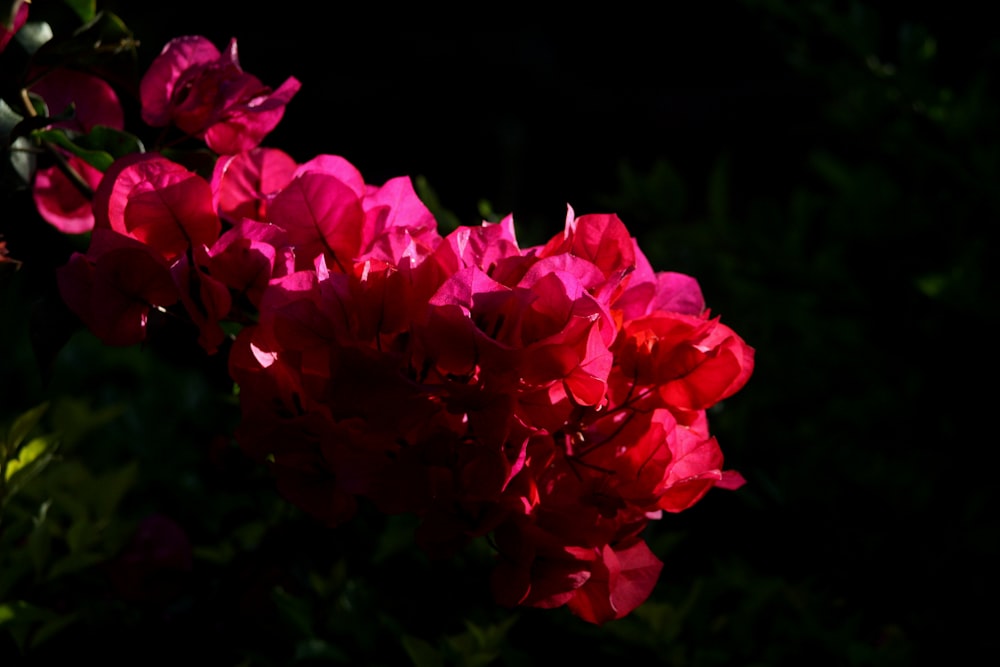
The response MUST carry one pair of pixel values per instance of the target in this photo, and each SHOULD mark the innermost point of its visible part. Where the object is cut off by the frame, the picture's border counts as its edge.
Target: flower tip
(731, 480)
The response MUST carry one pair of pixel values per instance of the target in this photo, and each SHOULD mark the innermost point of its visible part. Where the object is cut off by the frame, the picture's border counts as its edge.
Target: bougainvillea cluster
(549, 399)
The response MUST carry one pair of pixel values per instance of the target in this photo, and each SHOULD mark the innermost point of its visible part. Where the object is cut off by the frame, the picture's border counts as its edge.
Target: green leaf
(99, 148)
(493, 635)
(664, 619)
(97, 45)
(487, 212)
(421, 652)
(22, 612)
(317, 649)
(396, 538)
(230, 328)
(218, 555)
(333, 583)
(81, 535)
(116, 143)
(85, 9)
(52, 627)
(73, 418)
(112, 487)
(75, 563)
(31, 625)
(295, 611)
(23, 424)
(932, 284)
(476, 633)
(40, 540)
(833, 171)
(200, 160)
(71, 487)
(32, 458)
(20, 618)
(479, 646)
(447, 221)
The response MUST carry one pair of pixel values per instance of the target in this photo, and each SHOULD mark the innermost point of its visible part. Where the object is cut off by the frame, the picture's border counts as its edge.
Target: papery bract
(113, 287)
(648, 291)
(60, 201)
(207, 95)
(93, 103)
(243, 183)
(535, 568)
(600, 238)
(603, 241)
(695, 467)
(158, 202)
(328, 210)
(551, 398)
(248, 256)
(484, 247)
(206, 299)
(625, 455)
(397, 224)
(546, 329)
(694, 362)
(621, 579)
(323, 216)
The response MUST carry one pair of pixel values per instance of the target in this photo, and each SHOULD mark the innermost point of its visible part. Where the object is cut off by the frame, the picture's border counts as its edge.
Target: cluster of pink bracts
(549, 398)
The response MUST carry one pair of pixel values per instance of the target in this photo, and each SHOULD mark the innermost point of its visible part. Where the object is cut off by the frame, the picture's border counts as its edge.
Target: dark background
(829, 172)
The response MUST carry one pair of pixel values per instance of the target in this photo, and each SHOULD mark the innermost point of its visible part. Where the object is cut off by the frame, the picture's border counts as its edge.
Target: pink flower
(647, 291)
(115, 285)
(247, 257)
(621, 578)
(694, 362)
(547, 329)
(328, 211)
(242, 184)
(322, 213)
(158, 202)
(94, 103)
(552, 397)
(60, 202)
(598, 584)
(207, 95)
(154, 224)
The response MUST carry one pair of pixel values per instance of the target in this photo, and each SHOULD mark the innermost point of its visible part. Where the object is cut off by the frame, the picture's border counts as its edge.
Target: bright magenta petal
(159, 85)
(678, 293)
(242, 183)
(243, 126)
(94, 100)
(60, 202)
(323, 217)
(159, 203)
